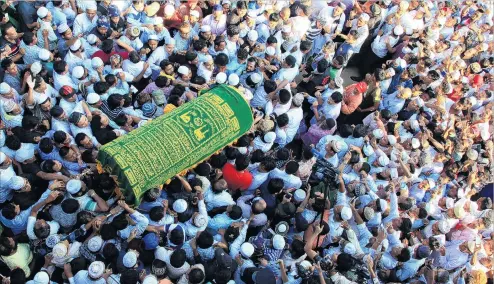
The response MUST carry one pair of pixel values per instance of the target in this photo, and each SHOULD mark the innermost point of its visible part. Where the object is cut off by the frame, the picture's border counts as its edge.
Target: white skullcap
(383, 161)
(472, 100)
(184, 70)
(286, 29)
(221, 78)
(194, 13)
(158, 21)
(383, 204)
(350, 249)
(404, 5)
(472, 154)
(130, 259)
(23, 155)
(299, 194)
(205, 28)
(169, 10)
(150, 279)
(473, 207)
(233, 79)
(450, 202)
(430, 208)
(336, 145)
(278, 242)
(180, 206)
(36, 68)
(52, 240)
(443, 226)
(59, 250)
(9, 106)
(17, 182)
(378, 133)
(78, 72)
(41, 277)
(269, 137)
(208, 58)
(398, 30)
(77, 44)
(160, 253)
(270, 51)
(4, 88)
(170, 41)
(459, 211)
(346, 213)
(44, 54)
(200, 220)
(392, 140)
(95, 243)
(415, 143)
(368, 213)
(252, 14)
(431, 183)
(252, 35)
(62, 28)
(91, 5)
(246, 250)
(96, 62)
(96, 269)
(414, 124)
(368, 150)
(306, 264)
(393, 172)
(42, 12)
(92, 38)
(73, 186)
(92, 98)
(153, 37)
(255, 78)
(365, 17)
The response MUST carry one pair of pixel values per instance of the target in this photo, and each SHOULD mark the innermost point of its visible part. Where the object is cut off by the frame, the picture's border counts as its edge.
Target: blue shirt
(180, 43)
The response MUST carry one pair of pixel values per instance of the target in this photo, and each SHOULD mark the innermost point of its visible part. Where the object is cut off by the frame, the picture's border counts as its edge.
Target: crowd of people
(376, 178)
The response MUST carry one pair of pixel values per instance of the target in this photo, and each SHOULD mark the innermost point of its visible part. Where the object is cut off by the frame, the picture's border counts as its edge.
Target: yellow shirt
(21, 258)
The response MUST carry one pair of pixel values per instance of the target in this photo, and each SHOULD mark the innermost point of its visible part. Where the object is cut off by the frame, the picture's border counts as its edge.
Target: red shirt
(235, 179)
(106, 57)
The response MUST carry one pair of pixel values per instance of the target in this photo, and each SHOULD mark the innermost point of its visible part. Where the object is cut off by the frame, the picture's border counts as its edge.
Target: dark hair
(306, 45)
(231, 233)
(178, 258)
(110, 252)
(359, 131)
(291, 167)
(13, 142)
(404, 255)
(222, 276)
(28, 38)
(134, 57)
(152, 194)
(177, 236)
(257, 156)
(232, 30)
(235, 212)
(242, 54)
(18, 276)
(345, 130)
(101, 87)
(107, 46)
(337, 97)
(114, 101)
(30, 122)
(156, 213)
(70, 205)
(64, 151)
(422, 213)
(42, 232)
(282, 120)
(221, 59)
(275, 185)
(129, 276)
(78, 264)
(486, 203)
(6, 247)
(196, 276)
(205, 240)
(110, 79)
(199, 44)
(365, 167)
(7, 61)
(59, 136)
(8, 211)
(56, 111)
(269, 164)
(344, 262)
(241, 5)
(274, 17)
(282, 154)
(161, 81)
(231, 153)
(270, 86)
(271, 40)
(242, 162)
(290, 61)
(79, 137)
(108, 232)
(284, 96)
(84, 217)
(218, 161)
(405, 227)
(407, 204)
(58, 66)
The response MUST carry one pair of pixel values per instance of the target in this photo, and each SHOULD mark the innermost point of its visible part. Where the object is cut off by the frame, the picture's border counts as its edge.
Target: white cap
(41, 277)
(299, 194)
(246, 250)
(200, 220)
(180, 206)
(73, 186)
(255, 78)
(150, 279)
(383, 161)
(194, 13)
(4, 88)
(278, 242)
(221, 78)
(169, 41)
(17, 182)
(398, 30)
(23, 155)
(36, 68)
(208, 58)
(92, 98)
(78, 72)
(364, 16)
(62, 28)
(431, 183)
(97, 62)
(92, 39)
(378, 133)
(450, 202)
(472, 154)
(158, 21)
(415, 143)
(184, 70)
(59, 250)
(205, 28)
(44, 54)
(392, 140)
(95, 243)
(346, 213)
(153, 37)
(270, 50)
(9, 106)
(130, 259)
(42, 12)
(286, 29)
(368, 150)
(443, 226)
(484, 46)
(414, 124)
(383, 204)
(252, 14)
(252, 35)
(226, 2)
(76, 45)
(96, 269)
(459, 210)
(269, 137)
(233, 79)
(350, 249)
(169, 10)
(368, 213)
(336, 145)
(91, 5)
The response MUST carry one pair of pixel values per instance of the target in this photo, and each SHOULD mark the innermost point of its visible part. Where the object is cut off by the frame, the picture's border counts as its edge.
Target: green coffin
(152, 154)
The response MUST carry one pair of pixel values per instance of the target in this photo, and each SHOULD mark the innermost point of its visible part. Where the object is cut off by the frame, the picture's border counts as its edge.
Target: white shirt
(83, 25)
(379, 46)
(63, 80)
(73, 60)
(158, 55)
(295, 116)
(136, 68)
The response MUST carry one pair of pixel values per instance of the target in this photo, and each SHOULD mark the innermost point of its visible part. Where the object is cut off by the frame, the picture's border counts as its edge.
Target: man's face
(102, 30)
(221, 46)
(207, 35)
(272, 24)
(87, 143)
(57, 166)
(169, 48)
(218, 14)
(241, 12)
(158, 28)
(185, 33)
(46, 106)
(234, 38)
(12, 69)
(209, 65)
(48, 17)
(337, 11)
(251, 66)
(285, 14)
(153, 44)
(67, 34)
(11, 33)
(71, 156)
(17, 110)
(83, 122)
(361, 22)
(90, 14)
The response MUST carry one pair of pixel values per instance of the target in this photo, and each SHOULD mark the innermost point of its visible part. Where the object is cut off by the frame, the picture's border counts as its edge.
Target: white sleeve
(30, 228)
(141, 220)
(77, 26)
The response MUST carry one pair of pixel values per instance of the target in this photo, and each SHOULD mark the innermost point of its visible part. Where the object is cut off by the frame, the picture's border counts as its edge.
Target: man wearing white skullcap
(95, 274)
(75, 56)
(46, 35)
(85, 22)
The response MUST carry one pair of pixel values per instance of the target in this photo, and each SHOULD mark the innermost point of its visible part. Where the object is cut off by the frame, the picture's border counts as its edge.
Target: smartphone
(288, 196)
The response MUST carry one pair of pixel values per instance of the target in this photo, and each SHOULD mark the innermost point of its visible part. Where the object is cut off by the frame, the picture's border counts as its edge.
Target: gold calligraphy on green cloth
(152, 154)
